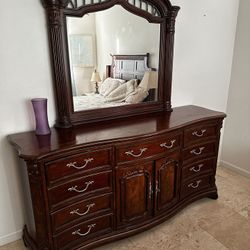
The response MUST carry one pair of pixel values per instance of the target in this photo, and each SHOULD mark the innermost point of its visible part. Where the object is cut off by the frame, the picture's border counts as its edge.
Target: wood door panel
(166, 182)
(134, 197)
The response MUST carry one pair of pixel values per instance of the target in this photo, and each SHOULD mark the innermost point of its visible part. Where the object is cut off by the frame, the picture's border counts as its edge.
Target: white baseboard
(234, 168)
(10, 237)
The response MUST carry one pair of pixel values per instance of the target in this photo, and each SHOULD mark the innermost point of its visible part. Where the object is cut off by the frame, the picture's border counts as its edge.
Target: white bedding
(117, 95)
(93, 101)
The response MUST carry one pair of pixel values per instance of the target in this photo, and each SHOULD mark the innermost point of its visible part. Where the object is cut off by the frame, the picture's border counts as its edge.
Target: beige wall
(236, 140)
(203, 56)
(204, 43)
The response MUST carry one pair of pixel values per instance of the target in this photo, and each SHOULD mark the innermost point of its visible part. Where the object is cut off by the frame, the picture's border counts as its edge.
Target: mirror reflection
(114, 58)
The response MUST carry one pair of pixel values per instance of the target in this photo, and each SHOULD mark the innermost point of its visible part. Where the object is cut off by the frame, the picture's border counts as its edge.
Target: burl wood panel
(167, 172)
(134, 194)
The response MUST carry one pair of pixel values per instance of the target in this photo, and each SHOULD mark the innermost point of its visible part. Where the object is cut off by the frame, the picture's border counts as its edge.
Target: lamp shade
(95, 77)
(150, 80)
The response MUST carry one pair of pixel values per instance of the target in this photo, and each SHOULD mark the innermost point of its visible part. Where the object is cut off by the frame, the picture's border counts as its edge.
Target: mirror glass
(112, 37)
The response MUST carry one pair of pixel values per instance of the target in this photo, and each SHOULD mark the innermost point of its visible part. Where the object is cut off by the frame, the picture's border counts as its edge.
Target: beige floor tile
(232, 232)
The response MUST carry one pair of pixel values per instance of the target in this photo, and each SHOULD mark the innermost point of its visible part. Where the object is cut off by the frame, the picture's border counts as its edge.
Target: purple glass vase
(41, 116)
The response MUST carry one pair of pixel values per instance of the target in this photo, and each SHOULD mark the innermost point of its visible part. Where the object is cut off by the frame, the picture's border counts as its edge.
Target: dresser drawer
(195, 185)
(201, 150)
(199, 132)
(83, 232)
(80, 187)
(198, 168)
(82, 210)
(77, 164)
(147, 148)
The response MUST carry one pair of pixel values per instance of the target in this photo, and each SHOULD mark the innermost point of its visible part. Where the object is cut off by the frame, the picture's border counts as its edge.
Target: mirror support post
(170, 31)
(54, 9)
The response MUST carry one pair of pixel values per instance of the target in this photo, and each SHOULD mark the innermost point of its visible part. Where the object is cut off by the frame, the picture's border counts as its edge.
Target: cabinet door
(166, 183)
(134, 193)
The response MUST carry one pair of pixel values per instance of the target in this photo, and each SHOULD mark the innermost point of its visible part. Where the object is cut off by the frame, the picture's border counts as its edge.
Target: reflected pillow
(120, 93)
(109, 85)
(137, 96)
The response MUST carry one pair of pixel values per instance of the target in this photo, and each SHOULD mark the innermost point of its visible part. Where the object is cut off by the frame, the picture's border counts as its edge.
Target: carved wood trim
(37, 187)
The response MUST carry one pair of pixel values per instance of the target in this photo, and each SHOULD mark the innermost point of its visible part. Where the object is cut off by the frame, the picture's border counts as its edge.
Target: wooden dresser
(100, 182)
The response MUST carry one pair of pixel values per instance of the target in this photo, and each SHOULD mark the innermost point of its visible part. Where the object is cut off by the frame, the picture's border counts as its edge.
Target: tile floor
(206, 224)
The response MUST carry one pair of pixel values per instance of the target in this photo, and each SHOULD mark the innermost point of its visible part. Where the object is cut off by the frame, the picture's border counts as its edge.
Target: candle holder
(41, 116)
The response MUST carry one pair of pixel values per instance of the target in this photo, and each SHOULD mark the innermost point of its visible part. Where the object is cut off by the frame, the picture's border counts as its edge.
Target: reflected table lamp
(95, 78)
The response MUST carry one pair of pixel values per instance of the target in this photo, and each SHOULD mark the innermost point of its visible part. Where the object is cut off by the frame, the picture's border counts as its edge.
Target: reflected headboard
(128, 67)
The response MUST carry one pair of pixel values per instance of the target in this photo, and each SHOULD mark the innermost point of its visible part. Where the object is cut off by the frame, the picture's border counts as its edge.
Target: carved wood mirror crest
(159, 12)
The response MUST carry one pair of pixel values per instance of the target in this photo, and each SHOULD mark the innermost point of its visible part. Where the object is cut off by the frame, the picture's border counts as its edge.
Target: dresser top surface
(30, 146)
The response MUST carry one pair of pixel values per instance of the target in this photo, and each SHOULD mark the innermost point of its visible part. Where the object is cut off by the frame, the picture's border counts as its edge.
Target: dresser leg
(27, 240)
(213, 196)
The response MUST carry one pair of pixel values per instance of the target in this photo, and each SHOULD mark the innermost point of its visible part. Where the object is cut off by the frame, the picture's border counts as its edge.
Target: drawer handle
(88, 183)
(195, 152)
(77, 232)
(142, 150)
(199, 134)
(196, 185)
(196, 169)
(73, 164)
(81, 214)
(164, 145)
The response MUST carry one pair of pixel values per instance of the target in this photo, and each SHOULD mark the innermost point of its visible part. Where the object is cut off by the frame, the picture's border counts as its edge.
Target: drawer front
(195, 185)
(202, 150)
(199, 132)
(77, 164)
(82, 210)
(199, 167)
(80, 187)
(83, 232)
(145, 148)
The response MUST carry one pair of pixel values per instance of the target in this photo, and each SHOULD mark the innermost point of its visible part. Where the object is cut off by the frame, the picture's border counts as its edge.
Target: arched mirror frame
(57, 11)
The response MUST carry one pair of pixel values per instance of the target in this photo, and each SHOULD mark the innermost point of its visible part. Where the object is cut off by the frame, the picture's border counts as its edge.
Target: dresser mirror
(112, 64)
(111, 58)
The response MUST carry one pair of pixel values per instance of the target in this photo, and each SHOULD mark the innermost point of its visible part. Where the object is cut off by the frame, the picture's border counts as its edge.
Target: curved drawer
(198, 168)
(81, 210)
(199, 132)
(144, 149)
(80, 187)
(78, 163)
(199, 151)
(80, 233)
(195, 185)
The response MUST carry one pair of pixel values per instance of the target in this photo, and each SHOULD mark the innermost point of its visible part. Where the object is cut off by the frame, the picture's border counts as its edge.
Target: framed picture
(82, 50)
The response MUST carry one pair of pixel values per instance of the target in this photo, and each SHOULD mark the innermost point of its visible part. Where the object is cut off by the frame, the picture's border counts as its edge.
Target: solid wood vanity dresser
(100, 182)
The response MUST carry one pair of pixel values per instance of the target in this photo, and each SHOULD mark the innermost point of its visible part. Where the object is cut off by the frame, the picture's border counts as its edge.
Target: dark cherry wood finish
(116, 194)
(57, 11)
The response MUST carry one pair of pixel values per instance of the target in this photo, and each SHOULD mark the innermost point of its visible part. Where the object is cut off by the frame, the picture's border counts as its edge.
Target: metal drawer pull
(202, 132)
(73, 164)
(88, 183)
(134, 155)
(81, 214)
(196, 185)
(194, 151)
(77, 232)
(164, 145)
(196, 169)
